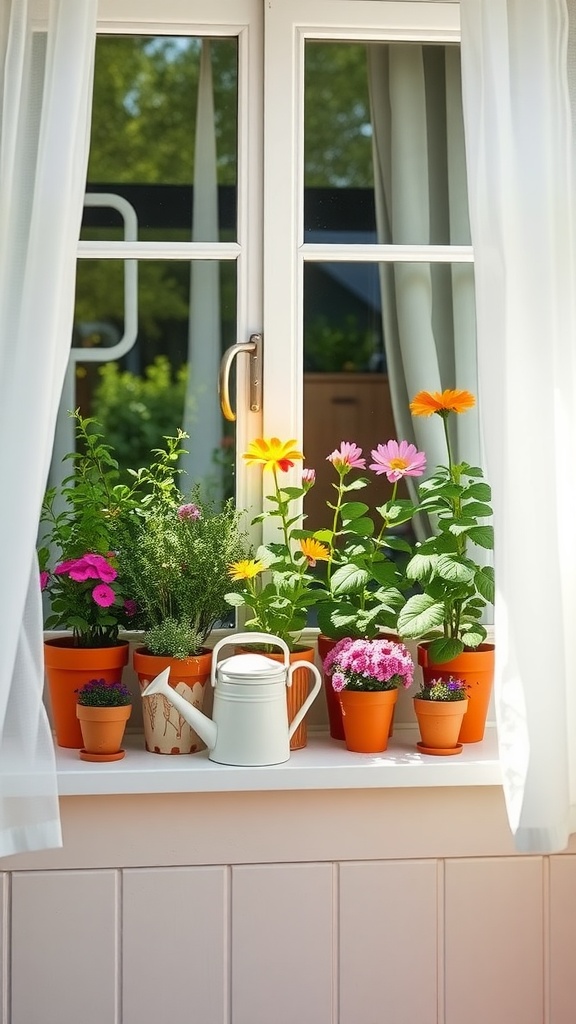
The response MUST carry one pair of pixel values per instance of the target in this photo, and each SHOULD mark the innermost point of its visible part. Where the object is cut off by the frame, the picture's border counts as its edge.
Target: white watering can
(249, 724)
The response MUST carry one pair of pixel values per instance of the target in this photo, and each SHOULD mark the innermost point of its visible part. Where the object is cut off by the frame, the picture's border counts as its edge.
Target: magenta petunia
(347, 456)
(397, 460)
(130, 607)
(63, 568)
(106, 571)
(103, 595)
(44, 577)
(189, 511)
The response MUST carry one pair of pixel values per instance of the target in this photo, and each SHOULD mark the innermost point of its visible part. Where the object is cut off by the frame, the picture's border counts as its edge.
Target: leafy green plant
(453, 588)
(175, 551)
(79, 569)
(97, 693)
(361, 592)
(277, 586)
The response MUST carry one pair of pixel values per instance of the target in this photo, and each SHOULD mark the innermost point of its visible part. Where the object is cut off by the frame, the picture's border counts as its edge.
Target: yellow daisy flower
(314, 551)
(247, 569)
(272, 453)
(427, 402)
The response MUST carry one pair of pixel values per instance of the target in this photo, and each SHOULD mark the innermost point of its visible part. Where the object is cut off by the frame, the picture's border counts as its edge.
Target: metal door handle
(254, 347)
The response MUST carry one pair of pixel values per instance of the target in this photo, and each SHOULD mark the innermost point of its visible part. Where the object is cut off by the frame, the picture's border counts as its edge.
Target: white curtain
(420, 195)
(202, 418)
(46, 88)
(518, 66)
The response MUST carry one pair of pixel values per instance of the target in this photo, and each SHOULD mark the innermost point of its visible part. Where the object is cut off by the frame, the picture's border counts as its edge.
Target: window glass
(146, 107)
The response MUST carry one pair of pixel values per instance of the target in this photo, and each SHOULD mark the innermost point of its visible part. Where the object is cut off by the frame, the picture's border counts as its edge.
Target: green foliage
(332, 348)
(79, 523)
(97, 693)
(175, 551)
(453, 589)
(138, 412)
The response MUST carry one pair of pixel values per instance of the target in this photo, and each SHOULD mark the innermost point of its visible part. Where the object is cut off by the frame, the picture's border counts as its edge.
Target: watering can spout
(204, 726)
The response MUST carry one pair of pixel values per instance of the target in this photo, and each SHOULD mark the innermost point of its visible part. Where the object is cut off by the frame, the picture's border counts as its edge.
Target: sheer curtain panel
(46, 89)
(517, 63)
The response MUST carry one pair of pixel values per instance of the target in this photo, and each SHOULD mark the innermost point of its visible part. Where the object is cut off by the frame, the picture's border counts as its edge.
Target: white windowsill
(323, 764)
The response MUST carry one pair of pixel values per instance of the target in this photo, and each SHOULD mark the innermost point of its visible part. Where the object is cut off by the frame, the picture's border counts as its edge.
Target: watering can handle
(311, 696)
(247, 638)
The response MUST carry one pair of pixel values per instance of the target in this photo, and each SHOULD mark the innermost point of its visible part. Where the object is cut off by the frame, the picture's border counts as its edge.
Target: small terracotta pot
(366, 716)
(67, 669)
(476, 670)
(102, 731)
(165, 731)
(297, 693)
(439, 722)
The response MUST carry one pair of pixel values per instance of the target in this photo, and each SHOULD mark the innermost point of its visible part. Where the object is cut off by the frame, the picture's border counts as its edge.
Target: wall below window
(334, 907)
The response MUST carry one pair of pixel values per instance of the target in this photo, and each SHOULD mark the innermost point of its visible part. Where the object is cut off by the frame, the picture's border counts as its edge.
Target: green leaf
(419, 615)
(396, 544)
(349, 578)
(326, 536)
(473, 636)
(236, 600)
(355, 485)
(479, 490)
(444, 649)
(478, 509)
(362, 527)
(483, 536)
(453, 571)
(421, 567)
(384, 572)
(484, 580)
(353, 510)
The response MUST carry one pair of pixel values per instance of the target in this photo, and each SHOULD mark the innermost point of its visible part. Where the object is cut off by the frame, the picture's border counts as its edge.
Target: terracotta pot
(165, 731)
(476, 670)
(297, 693)
(325, 644)
(67, 669)
(366, 716)
(102, 731)
(439, 723)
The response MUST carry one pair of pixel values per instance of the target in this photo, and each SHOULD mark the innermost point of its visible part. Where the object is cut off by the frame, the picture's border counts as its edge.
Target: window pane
(140, 397)
(384, 144)
(359, 320)
(147, 97)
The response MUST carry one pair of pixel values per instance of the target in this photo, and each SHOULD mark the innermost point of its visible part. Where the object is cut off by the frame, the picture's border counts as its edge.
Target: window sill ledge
(323, 764)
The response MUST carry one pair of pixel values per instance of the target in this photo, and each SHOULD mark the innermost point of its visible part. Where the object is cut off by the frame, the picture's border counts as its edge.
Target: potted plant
(277, 586)
(440, 707)
(366, 675)
(103, 710)
(452, 588)
(81, 577)
(364, 582)
(175, 550)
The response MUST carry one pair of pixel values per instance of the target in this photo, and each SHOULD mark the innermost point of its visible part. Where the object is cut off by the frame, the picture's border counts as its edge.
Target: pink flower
(44, 577)
(189, 511)
(347, 457)
(355, 663)
(130, 607)
(103, 595)
(63, 568)
(89, 567)
(308, 478)
(398, 460)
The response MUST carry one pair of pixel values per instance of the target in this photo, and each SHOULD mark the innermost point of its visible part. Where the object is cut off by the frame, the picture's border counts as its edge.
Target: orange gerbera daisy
(314, 551)
(272, 453)
(427, 402)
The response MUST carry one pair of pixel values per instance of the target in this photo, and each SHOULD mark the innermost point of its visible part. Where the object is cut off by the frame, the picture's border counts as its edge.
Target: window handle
(254, 348)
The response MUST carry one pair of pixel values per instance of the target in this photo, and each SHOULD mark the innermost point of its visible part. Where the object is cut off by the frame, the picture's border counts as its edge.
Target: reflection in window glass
(384, 144)
(163, 381)
(143, 135)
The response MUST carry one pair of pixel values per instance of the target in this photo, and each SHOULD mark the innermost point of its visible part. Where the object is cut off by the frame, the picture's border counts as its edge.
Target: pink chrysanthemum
(189, 511)
(398, 460)
(369, 665)
(103, 595)
(348, 456)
